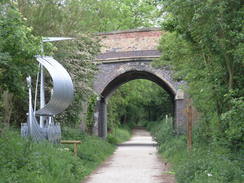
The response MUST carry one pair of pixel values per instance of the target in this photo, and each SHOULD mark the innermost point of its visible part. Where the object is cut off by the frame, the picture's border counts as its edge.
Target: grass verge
(24, 161)
(206, 163)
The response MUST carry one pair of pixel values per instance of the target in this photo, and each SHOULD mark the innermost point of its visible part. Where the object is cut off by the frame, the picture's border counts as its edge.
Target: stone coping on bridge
(128, 55)
(128, 59)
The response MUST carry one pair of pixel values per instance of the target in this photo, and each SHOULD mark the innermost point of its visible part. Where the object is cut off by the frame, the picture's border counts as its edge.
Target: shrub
(119, 135)
(206, 163)
(24, 161)
(72, 133)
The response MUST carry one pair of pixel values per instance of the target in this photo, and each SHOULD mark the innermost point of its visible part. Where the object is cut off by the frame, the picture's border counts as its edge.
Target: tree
(73, 18)
(17, 48)
(136, 101)
(77, 55)
(88, 15)
(203, 45)
(76, 18)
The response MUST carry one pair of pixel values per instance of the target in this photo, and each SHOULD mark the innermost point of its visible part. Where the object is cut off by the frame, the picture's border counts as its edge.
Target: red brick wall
(130, 40)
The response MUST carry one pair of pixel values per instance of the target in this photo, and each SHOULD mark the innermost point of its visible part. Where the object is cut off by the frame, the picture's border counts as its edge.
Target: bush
(119, 135)
(206, 163)
(211, 164)
(72, 134)
(233, 124)
(24, 161)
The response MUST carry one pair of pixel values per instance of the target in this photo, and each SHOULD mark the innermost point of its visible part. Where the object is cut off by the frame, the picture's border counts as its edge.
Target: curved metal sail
(63, 89)
(61, 98)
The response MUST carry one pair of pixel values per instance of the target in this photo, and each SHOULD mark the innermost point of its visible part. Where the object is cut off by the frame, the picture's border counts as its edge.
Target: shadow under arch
(125, 77)
(133, 75)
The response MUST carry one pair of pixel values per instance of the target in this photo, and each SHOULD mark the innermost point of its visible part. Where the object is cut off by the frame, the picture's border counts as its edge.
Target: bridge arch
(127, 74)
(114, 74)
(125, 56)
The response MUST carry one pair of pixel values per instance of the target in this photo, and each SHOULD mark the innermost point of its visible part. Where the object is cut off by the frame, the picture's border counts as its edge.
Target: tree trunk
(7, 107)
(230, 73)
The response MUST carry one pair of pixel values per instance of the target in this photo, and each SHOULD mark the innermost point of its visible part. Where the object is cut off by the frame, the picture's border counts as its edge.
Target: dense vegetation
(23, 22)
(21, 160)
(20, 43)
(203, 44)
(205, 163)
(137, 101)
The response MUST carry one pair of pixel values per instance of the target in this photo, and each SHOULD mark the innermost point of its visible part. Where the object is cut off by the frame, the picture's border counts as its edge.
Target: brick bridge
(125, 56)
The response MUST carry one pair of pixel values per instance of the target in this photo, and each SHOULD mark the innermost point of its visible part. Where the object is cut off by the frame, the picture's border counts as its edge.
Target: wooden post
(75, 149)
(189, 128)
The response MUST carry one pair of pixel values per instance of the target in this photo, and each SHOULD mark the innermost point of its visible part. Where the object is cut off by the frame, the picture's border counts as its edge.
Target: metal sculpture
(61, 98)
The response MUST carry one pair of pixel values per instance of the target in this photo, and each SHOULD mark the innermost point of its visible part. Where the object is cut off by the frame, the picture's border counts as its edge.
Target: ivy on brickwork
(90, 112)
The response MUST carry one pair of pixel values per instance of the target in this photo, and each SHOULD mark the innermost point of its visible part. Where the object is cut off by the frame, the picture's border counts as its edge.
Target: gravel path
(135, 161)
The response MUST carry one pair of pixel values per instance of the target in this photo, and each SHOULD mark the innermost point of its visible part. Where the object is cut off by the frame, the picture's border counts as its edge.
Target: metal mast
(42, 76)
(42, 88)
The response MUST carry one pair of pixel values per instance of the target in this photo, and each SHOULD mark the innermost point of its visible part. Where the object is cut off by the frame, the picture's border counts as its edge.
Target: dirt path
(135, 161)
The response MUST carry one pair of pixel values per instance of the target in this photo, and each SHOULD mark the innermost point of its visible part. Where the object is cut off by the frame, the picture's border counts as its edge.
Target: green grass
(23, 161)
(119, 135)
(206, 163)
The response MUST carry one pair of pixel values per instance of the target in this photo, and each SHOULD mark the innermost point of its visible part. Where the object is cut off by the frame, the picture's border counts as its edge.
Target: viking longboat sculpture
(61, 98)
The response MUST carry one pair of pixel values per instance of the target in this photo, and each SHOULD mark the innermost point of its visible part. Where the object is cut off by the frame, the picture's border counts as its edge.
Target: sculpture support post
(42, 95)
(102, 118)
(42, 89)
(28, 79)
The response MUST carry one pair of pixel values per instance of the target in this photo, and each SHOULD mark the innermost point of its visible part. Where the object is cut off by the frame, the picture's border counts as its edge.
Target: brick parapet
(134, 40)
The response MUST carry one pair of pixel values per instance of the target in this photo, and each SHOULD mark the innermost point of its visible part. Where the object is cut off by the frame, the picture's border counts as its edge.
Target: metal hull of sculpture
(61, 98)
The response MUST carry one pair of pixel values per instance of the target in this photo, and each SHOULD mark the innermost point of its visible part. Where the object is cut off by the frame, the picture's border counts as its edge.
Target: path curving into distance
(135, 161)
